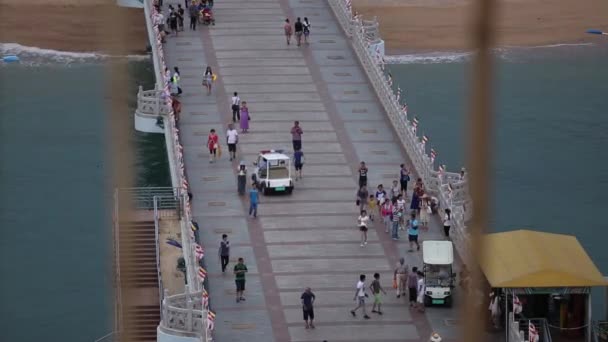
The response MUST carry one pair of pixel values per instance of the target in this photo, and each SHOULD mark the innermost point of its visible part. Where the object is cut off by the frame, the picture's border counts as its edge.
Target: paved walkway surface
(308, 238)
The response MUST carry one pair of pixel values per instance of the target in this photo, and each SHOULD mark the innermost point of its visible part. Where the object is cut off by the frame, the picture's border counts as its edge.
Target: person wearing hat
(435, 338)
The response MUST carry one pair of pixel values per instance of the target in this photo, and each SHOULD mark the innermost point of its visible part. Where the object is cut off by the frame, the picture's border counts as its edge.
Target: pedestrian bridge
(335, 86)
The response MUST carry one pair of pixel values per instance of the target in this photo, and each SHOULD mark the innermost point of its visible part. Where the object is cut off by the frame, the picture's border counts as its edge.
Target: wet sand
(443, 25)
(68, 25)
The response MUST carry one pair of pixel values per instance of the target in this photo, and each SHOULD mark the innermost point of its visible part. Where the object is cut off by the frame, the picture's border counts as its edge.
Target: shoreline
(70, 28)
(431, 26)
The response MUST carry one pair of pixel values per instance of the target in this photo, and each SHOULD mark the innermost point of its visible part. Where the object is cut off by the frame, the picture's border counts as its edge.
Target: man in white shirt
(360, 297)
(232, 138)
(236, 107)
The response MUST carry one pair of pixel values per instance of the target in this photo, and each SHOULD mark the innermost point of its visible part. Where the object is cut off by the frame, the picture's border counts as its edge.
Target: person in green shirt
(239, 278)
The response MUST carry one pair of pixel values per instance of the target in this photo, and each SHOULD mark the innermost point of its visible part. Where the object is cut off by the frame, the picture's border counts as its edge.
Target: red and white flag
(433, 155)
(210, 320)
(404, 109)
(415, 125)
(205, 299)
(202, 274)
(532, 333)
(398, 94)
(424, 139)
(200, 252)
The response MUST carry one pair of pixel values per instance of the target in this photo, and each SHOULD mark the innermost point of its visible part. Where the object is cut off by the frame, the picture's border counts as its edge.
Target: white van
(438, 257)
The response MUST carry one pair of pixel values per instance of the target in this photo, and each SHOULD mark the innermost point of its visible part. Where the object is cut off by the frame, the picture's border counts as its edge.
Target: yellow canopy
(525, 258)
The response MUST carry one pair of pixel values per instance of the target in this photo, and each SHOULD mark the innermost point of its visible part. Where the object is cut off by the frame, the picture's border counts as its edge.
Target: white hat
(435, 337)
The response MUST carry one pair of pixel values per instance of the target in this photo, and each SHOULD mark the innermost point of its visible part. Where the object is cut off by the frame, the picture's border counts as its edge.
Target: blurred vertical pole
(118, 146)
(478, 149)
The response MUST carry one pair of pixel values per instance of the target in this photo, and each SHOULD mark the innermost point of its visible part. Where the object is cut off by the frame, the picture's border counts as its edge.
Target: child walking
(363, 221)
(371, 204)
(387, 215)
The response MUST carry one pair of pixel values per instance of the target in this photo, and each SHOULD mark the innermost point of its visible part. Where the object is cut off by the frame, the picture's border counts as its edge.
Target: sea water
(55, 195)
(550, 136)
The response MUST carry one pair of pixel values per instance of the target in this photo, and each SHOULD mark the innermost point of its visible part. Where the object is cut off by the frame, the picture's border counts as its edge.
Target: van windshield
(438, 275)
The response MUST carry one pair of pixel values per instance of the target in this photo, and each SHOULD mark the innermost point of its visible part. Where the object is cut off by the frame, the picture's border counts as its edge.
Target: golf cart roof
(274, 155)
(437, 252)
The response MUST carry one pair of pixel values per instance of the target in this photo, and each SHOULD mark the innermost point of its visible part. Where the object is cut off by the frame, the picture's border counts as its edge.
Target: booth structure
(547, 278)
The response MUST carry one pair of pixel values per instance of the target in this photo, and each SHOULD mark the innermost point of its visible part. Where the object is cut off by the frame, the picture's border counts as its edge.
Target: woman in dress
(363, 221)
(212, 144)
(288, 31)
(421, 290)
(208, 79)
(244, 117)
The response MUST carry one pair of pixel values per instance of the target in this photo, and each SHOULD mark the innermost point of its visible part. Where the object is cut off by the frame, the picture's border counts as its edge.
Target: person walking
(447, 222)
(394, 191)
(425, 212)
(363, 221)
(412, 286)
(212, 144)
(298, 158)
(362, 194)
(193, 11)
(288, 31)
(395, 218)
(412, 233)
(254, 199)
(306, 27)
(401, 206)
(232, 138)
(308, 299)
(173, 19)
(360, 295)
(380, 196)
(296, 136)
(299, 30)
(208, 79)
(362, 174)
(240, 270)
(400, 277)
(420, 291)
(236, 107)
(387, 215)
(376, 289)
(404, 178)
(180, 17)
(242, 178)
(176, 79)
(224, 252)
(244, 117)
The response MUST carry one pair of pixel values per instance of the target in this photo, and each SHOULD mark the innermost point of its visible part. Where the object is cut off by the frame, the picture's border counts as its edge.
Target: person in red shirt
(213, 144)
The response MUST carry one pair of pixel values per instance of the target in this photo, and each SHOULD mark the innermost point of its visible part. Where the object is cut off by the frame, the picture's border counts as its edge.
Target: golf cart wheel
(289, 190)
(265, 190)
(427, 301)
(448, 302)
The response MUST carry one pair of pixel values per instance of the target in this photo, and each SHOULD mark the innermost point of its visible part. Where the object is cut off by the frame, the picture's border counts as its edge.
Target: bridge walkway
(308, 238)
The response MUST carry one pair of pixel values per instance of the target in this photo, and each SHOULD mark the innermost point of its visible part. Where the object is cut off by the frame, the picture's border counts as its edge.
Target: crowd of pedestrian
(300, 28)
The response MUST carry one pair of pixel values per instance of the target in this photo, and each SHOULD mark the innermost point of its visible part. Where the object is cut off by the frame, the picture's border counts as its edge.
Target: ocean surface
(55, 196)
(550, 135)
(55, 217)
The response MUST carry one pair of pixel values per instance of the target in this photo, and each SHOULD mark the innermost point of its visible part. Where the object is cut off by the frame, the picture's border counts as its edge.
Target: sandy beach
(71, 25)
(443, 25)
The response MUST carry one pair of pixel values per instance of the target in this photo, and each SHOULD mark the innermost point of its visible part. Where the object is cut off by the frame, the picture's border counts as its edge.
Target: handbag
(358, 202)
(395, 283)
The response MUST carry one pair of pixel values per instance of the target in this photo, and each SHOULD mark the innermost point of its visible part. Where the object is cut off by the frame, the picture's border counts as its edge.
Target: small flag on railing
(424, 139)
(202, 274)
(210, 320)
(450, 190)
(441, 169)
(415, 125)
(390, 79)
(433, 155)
(205, 299)
(200, 252)
(404, 109)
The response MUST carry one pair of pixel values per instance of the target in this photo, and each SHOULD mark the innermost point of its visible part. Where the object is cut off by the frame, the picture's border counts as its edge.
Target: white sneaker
(365, 243)
(362, 245)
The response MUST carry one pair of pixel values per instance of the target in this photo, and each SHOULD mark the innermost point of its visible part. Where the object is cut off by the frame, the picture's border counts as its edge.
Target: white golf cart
(273, 172)
(438, 257)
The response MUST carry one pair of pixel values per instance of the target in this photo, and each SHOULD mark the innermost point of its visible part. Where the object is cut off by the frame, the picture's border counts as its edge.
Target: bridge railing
(450, 188)
(195, 274)
(151, 104)
(183, 314)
